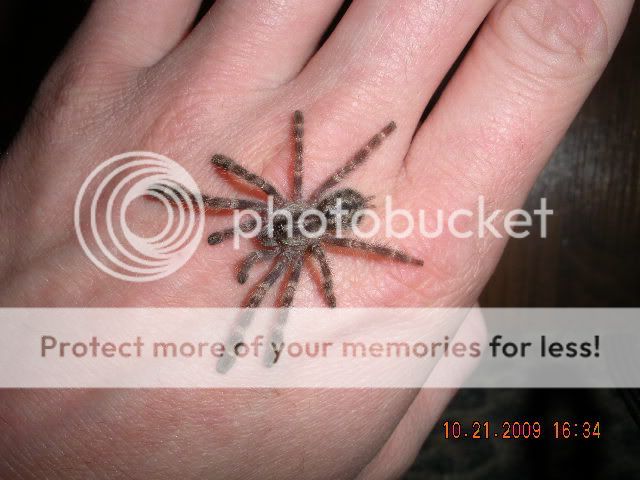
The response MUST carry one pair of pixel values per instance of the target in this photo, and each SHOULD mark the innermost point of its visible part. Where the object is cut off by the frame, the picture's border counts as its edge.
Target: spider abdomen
(342, 206)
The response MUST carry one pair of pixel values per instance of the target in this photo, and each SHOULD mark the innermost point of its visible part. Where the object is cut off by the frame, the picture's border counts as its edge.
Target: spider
(285, 242)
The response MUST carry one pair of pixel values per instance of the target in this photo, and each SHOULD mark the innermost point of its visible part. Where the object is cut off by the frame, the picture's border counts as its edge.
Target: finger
(529, 71)
(531, 67)
(381, 64)
(385, 59)
(257, 43)
(135, 33)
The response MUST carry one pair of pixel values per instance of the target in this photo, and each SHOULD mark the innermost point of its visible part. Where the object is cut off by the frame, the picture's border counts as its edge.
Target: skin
(129, 80)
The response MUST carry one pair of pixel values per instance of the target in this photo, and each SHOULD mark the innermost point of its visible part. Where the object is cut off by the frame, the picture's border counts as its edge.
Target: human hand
(134, 81)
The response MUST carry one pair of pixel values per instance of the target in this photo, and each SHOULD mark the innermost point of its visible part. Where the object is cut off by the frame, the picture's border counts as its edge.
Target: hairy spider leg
(231, 166)
(253, 258)
(392, 253)
(222, 235)
(226, 361)
(277, 333)
(210, 202)
(298, 135)
(292, 283)
(327, 276)
(263, 287)
(221, 203)
(358, 159)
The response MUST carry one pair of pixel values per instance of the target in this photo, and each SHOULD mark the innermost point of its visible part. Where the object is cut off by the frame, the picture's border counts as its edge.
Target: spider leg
(222, 235)
(277, 335)
(298, 135)
(236, 336)
(221, 203)
(392, 253)
(253, 258)
(210, 202)
(327, 276)
(261, 290)
(231, 166)
(292, 284)
(358, 159)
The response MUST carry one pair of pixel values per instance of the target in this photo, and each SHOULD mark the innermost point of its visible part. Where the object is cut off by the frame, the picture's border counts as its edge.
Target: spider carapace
(303, 226)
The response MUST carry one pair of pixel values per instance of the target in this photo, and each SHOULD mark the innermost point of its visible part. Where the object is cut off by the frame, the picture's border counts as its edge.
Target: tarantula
(289, 242)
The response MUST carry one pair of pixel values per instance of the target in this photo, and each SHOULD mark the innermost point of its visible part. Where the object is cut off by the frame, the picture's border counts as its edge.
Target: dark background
(590, 258)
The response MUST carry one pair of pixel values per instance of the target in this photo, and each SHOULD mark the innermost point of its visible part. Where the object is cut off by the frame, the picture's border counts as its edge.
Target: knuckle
(67, 84)
(552, 38)
(174, 121)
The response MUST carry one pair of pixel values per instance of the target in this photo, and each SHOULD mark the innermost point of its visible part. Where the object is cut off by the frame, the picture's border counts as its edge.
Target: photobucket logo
(396, 223)
(101, 224)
